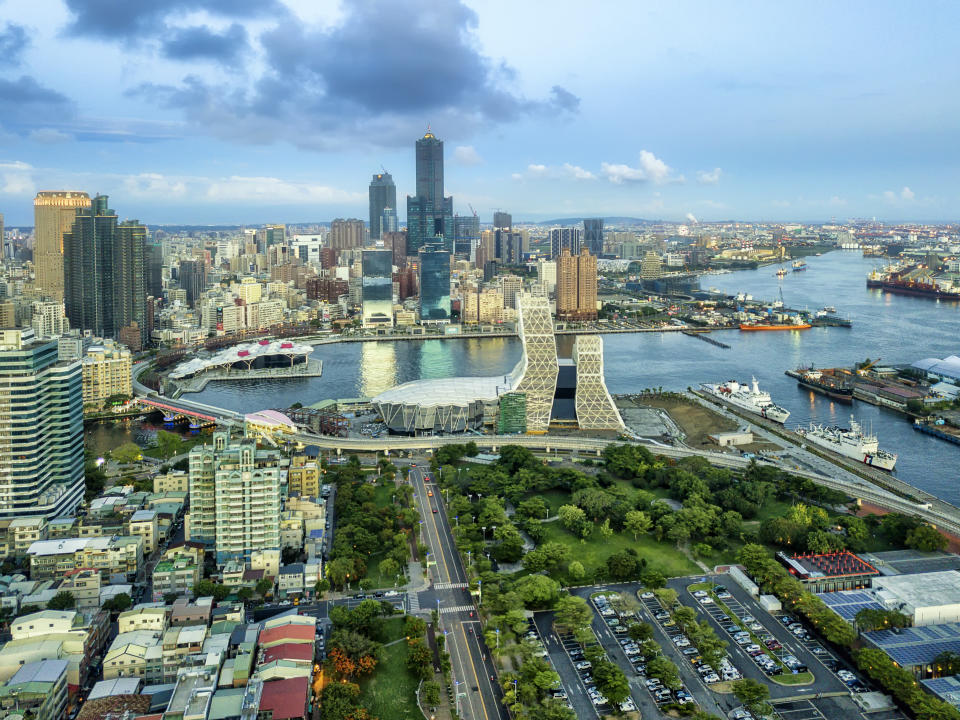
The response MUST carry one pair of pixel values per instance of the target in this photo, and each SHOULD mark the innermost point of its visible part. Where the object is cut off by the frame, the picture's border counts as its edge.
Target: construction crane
(865, 367)
(471, 209)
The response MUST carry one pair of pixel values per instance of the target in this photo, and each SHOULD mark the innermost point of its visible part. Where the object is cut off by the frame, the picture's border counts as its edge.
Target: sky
(255, 111)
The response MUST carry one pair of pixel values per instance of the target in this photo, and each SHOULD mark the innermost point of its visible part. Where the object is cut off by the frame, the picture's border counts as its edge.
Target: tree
(640, 631)
(605, 530)
(264, 587)
(129, 452)
(820, 541)
(752, 694)
(653, 579)
(573, 613)
(245, 593)
(208, 588)
(321, 586)
(701, 551)
(118, 603)
(574, 520)
(926, 539)
(339, 700)
(611, 682)
(431, 692)
(665, 671)
(638, 523)
(63, 600)
(575, 570)
(947, 663)
(419, 662)
(622, 565)
(537, 590)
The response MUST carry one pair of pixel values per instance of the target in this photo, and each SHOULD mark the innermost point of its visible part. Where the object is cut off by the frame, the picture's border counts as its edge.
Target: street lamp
(498, 638)
(484, 528)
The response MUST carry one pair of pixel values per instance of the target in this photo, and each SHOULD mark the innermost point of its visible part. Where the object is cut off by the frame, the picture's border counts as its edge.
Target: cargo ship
(749, 398)
(916, 281)
(799, 265)
(823, 382)
(850, 442)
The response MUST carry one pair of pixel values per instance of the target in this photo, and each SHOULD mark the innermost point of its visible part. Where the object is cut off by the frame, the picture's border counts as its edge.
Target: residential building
(41, 460)
(235, 497)
(434, 286)
(24, 531)
(143, 617)
(192, 277)
(429, 213)
(569, 238)
(346, 234)
(84, 585)
(145, 523)
(133, 654)
(593, 235)
(303, 476)
(508, 247)
(377, 283)
(106, 372)
(481, 306)
(547, 275)
(576, 286)
(651, 267)
(502, 220)
(117, 555)
(54, 214)
(49, 319)
(510, 287)
(383, 196)
(175, 576)
(37, 691)
(173, 481)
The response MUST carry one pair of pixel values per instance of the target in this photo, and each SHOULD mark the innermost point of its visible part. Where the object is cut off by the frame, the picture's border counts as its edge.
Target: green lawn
(373, 573)
(391, 691)
(594, 552)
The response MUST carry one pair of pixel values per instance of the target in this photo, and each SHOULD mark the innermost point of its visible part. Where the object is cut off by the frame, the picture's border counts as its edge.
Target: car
(706, 601)
(817, 650)
(652, 683)
(662, 615)
(690, 651)
(612, 622)
(669, 623)
(647, 595)
(584, 665)
(753, 647)
(711, 678)
(747, 619)
(740, 714)
(773, 645)
(724, 595)
(627, 706)
(434, 511)
(700, 594)
(756, 627)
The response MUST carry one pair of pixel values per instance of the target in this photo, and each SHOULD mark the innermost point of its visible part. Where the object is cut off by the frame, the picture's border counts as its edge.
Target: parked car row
(617, 622)
(799, 631)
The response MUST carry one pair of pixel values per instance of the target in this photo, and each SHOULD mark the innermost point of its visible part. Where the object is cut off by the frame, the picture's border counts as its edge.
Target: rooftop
(923, 590)
(286, 699)
(117, 686)
(827, 565)
(910, 647)
(44, 671)
(289, 651)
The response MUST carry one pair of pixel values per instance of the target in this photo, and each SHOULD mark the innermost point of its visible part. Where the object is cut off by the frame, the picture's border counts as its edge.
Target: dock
(937, 432)
(312, 368)
(702, 335)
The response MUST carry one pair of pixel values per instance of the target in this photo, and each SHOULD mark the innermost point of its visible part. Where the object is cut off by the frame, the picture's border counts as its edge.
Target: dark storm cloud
(385, 71)
(13, 41)
(123, 19)
(199, 43)
(27, 91)
(28, 105)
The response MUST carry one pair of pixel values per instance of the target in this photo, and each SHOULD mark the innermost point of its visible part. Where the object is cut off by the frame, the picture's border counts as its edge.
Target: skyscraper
(346, 234)
(41, 443)
(466, 235)
(53, 215)
(434, 286)
(104, 275)
(429, 213)
(508, 247)
(155, 269)
(576, 286)
(383, 194)
(593, 235)
(192, 277)
(570, 238)
(377, 268)
(270, 235)
(502, 220)
(389, 221)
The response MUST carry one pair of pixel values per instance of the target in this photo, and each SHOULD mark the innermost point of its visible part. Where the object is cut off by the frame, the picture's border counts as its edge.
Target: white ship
(851, 443)
(750, 398)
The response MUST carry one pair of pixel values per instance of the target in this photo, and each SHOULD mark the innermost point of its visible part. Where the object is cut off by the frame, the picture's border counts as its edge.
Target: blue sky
(250, 111)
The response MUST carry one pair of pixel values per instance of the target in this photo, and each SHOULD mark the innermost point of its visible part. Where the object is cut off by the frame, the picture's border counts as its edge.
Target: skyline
(209, 112)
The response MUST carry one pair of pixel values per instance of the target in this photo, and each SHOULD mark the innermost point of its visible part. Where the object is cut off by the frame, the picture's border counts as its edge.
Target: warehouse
(928, 598)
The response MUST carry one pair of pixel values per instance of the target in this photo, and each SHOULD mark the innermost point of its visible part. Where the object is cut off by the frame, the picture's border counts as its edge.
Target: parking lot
(563, 653)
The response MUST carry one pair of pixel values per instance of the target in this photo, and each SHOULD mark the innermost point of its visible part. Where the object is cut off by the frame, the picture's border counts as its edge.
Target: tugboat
(799, 265)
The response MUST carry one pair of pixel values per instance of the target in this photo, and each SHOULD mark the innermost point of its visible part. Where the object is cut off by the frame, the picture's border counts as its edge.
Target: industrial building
(829, 572)
(931, 598)
(916, 648)
(532, 397)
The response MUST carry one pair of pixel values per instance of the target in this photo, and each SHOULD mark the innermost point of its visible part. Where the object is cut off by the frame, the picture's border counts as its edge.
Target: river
(895, 328)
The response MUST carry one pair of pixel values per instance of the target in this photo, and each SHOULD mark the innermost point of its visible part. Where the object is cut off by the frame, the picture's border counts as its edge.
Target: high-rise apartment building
(377, 281)
(593, 235)
(383, 195)
(502, 220)
(7, 251)
(154, 260)
(508, 247)
(192, 277)
(547, 275)
(651, 267)
(48, 319)
(235, 498)
(570, 238)
(41, 434)
(106, 370)
(53, 215)
(510, 286)
(481, 306)
(346, 234)
(103, 268)
(429, 213)
(434, 286)
(576, 286)
(466, 236)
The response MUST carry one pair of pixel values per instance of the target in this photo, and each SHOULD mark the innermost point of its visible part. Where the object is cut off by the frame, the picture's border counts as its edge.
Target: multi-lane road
(478, 695)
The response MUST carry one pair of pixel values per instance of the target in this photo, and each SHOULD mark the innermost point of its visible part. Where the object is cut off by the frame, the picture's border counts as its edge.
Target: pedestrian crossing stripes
(449, 586)
(456, 609)
(414, 601)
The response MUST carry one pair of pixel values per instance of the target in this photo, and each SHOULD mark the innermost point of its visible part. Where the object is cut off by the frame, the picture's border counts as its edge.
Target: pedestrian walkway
(450, 586)
(413, 601)
(455, 609)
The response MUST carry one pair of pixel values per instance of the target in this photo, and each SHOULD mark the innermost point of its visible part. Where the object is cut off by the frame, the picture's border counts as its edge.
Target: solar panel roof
(916, 645)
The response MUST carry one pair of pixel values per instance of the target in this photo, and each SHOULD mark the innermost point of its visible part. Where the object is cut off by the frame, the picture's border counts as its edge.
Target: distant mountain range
(575, 220)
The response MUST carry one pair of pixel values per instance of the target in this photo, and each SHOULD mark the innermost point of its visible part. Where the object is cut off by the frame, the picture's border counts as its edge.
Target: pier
(702, 335)
(313, 368)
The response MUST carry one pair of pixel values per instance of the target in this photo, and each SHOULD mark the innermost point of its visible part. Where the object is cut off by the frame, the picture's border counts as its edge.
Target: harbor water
(896, 329)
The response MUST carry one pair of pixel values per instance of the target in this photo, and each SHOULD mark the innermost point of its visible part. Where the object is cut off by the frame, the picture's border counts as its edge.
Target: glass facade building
(377, 286)
(435, 286)
(41, 428)
(383, 195)
(593, 235)
(466, 236)
(429, 213)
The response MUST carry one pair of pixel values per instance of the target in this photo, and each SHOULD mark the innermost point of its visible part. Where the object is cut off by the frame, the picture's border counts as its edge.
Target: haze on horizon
(251, 111)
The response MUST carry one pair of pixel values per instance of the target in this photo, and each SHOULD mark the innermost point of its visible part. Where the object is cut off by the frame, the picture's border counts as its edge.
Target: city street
(477, 694)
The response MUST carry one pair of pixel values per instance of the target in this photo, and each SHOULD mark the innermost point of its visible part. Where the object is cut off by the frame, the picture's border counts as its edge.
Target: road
(478, 696)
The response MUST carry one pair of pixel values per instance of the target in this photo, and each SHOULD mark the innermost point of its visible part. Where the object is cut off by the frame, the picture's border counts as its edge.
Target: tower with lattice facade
(595, 408)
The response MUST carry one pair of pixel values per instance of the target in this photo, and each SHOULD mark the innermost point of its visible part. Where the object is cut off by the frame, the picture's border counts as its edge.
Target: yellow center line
(473, 667)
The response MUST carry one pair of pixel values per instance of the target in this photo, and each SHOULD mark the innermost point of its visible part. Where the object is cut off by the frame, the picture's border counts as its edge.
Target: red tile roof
(287, 699)
(289, 651)
(293, 633)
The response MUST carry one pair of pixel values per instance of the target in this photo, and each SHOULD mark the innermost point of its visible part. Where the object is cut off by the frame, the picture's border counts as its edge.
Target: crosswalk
(456, 609)
(450, 586)
(413, 600)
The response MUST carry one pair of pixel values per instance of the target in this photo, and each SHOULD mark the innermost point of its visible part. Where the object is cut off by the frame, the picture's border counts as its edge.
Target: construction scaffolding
(512, 415)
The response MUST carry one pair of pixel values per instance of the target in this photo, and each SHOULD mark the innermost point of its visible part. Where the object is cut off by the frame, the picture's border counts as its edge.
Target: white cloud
(49, 136)
(566, 171)
(467, 155)
(907, 194)
(691, 218)
(837, 201)
(709, 177)
(16, 178)
(154, 185)
(649, 169)
(274, 191)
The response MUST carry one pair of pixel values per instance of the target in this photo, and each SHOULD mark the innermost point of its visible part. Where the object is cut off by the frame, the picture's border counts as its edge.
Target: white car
(711, 678)
(584, 665)
(700, 594)
(627, 706)
(706, 601)
(647, 596)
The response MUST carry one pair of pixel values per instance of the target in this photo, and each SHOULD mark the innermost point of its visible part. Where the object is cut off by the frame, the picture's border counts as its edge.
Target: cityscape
(481, 441)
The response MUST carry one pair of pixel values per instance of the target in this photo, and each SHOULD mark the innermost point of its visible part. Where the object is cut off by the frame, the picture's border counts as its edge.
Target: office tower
(130, 287)
(489, 270)
(377, 283)
(593, 235)
(346, 234)
(576, 286)
(466, 235)
(192, 277)
(396, 242)
(389, 221)
(434, 286)
(8, 315)
(41, 442)
(651, 267)
(568, 237)
(508, 247)
(538, 368)
(429, 213)
(383, 194)
(547, 275)
(235, 498)
(53, 215)
(7, 251)
(49, 320)
(270, 235)
(510, 286)
(487, 249)
(502, 220)
(154, 255)
(595, 408)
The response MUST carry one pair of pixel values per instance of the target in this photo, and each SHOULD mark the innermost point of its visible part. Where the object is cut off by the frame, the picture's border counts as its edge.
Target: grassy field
(383, 497)
(391, 691)
(594, 552)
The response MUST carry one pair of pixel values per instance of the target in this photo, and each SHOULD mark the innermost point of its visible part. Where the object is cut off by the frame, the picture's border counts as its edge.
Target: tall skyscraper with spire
(383, 195)
(429, 213)
(53, 215)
